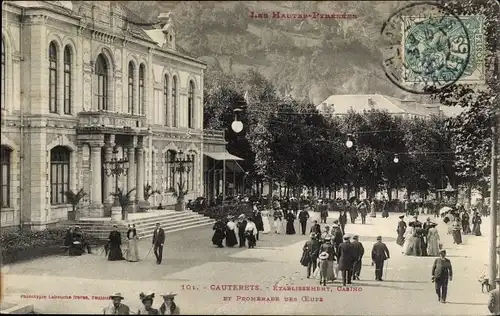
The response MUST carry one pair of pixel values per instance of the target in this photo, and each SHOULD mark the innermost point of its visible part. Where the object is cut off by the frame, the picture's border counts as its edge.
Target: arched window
(101, 70)
(59, 174)
(67, 80)
(174, 101)
(190, 104)
(171, 170)
(131, 75)
(3, 74)
(165, 97)
(5, 170)
(52, 78)
(141, 89)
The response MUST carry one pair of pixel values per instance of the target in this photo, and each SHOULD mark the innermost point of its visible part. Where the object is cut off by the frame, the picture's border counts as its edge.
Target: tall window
(190, 104)
(165, 97)
(59, 174)
(5, 176)
(171, 170)
(131, 72)
(52, 78)
(3, 74)
(174, 101)
(101, 70)
(141, 89)
(67, 80)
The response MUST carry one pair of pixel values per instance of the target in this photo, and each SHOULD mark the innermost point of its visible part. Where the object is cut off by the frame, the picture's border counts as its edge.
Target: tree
(74, 198)
(471, 130)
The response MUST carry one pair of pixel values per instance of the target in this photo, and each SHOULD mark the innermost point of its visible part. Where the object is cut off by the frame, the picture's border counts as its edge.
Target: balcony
(105, 120)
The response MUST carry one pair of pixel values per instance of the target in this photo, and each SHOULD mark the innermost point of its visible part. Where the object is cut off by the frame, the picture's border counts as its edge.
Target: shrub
(17, 241)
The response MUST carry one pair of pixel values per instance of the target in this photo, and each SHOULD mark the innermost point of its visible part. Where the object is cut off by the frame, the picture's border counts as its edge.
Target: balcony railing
(111, 119)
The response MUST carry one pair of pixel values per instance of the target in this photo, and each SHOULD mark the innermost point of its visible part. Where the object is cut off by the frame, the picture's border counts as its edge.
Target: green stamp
(443, 49)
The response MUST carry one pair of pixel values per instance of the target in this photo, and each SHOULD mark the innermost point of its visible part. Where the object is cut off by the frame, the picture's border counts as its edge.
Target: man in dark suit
(312, 247)
(303, 217)
(380, 253)
(441, 273)
(337, 238)
(347, 257)
(359, 252)
(242, 224)
(158, 241)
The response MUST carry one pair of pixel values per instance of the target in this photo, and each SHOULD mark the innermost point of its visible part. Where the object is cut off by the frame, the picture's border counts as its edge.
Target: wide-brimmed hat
(323, 256)
(347, 237)
(379, 237)
(327, 238)
(169, 294)
(241, 216)
(433, 224)
(442, 251)
(117, 294)
(312, 235)
(335, 226)
(402, 216)
(355, 237)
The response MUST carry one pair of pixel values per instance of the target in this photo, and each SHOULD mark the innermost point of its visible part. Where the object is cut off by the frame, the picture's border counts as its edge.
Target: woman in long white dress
(433, 241)
(265, 221)
(409, 241)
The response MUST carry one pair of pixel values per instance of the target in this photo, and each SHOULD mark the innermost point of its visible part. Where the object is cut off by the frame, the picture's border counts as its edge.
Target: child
(323, 267)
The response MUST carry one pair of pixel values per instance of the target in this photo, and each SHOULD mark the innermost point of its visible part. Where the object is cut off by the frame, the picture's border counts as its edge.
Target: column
(131, 179)
(96, 209)
(140, 176)
(108, 180)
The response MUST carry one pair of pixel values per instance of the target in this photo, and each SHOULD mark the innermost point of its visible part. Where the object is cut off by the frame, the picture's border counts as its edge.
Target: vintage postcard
(250, 157)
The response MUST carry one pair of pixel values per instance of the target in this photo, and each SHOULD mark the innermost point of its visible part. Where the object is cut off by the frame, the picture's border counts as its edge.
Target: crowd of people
(246, 228)
(168, 306)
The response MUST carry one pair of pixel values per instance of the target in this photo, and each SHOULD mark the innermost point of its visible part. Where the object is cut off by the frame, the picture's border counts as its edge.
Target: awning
(222, 155)
(234, 166)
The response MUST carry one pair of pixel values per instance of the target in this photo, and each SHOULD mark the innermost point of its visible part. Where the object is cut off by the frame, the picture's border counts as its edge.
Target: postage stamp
(428, 47)
(438, 49)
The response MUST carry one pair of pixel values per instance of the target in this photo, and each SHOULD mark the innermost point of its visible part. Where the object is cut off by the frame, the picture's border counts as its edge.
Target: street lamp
(349, 142)
(396, 158)
(116, 167)
(182, 164)
(237, 125)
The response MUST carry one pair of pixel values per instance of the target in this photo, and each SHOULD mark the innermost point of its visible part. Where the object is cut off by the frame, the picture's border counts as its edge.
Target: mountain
(306, 58)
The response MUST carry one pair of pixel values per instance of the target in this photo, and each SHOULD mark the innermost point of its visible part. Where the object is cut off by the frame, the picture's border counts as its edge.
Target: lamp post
(115, 167)
(182, 164)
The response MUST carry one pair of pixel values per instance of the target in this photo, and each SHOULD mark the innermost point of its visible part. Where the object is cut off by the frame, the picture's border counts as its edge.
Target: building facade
(343, 103)
(83, 83)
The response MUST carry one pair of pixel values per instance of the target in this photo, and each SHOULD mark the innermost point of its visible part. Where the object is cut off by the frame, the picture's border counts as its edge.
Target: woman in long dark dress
(115, 242)
(290, 227)
(230, 234)
(476, 224)
(219, 234)
(418, 246)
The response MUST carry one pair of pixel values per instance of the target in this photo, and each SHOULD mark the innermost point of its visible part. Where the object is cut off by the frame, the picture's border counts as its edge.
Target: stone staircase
(170, 221)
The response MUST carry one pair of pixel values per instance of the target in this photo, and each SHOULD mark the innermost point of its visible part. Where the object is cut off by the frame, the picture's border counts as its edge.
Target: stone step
(150, 227)
(145, 224)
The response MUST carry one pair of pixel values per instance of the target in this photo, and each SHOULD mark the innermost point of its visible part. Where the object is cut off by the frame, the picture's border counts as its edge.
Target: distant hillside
(307, 58)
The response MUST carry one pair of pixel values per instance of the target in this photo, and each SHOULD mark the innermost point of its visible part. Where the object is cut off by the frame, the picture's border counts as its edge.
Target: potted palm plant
(180, 194)
(148, 192)
(124, 200)
(74, 199)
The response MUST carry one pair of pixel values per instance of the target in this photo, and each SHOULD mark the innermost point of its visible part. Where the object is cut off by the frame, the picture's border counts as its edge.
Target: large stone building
(82, 83)
(341, 104)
